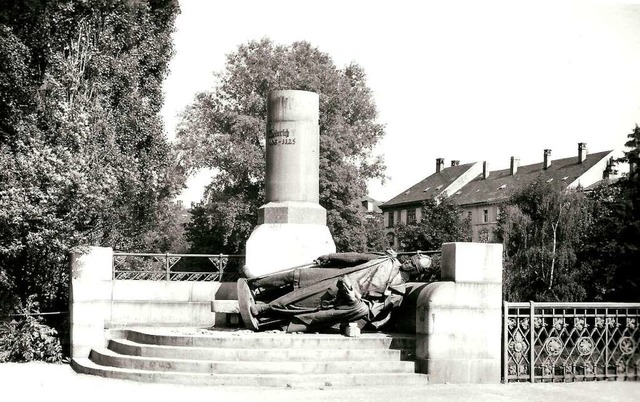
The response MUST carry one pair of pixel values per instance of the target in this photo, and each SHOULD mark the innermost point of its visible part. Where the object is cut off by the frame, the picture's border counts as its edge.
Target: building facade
(480, 191)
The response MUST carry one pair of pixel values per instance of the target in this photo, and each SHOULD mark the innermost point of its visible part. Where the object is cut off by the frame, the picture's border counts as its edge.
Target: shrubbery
(28, 339)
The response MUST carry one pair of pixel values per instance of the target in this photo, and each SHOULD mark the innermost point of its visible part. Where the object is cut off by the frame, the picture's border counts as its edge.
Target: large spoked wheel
(245, 301)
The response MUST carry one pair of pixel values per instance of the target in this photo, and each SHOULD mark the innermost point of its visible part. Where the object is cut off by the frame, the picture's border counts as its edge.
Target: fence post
(505, 339)
(606, 342)
(166, 265)
(532, 353)
(220, 266)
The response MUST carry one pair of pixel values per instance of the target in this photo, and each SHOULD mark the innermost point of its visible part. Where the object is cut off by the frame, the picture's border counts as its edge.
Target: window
(391, 238)
(483, 236)
(390, 215)
(470, 216)
(485, 216)
(411, 216)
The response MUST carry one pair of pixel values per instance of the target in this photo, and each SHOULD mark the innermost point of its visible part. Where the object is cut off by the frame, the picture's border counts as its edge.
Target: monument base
(275, 247)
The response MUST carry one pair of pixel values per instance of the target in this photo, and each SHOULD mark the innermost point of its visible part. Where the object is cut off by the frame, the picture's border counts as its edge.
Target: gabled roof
(430, 187)
(500, 184)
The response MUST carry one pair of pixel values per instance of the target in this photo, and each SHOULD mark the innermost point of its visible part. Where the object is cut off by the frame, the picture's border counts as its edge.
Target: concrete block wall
(99, 303)
(160, 303)
(458, 320)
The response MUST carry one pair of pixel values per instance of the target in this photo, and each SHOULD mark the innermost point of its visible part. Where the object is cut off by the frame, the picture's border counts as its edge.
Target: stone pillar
(459, 320)
(292, 226)
(89, 298)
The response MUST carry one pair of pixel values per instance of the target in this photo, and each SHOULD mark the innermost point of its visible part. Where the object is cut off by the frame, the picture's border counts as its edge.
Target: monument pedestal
(292, 226)
(278, 246)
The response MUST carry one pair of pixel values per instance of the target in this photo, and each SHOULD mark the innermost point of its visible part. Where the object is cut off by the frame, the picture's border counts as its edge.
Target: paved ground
(52, 382)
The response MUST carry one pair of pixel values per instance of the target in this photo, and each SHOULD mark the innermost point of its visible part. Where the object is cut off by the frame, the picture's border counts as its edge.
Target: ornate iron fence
(176, 267)
(189, 267)
(546, 342)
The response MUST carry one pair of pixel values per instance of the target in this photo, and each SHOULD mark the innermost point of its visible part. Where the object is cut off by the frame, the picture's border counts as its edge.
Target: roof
(604, 182)
(500, 184)
(430, 187)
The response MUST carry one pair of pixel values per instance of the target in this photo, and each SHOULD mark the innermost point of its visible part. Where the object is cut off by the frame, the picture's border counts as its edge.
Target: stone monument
(292, 226)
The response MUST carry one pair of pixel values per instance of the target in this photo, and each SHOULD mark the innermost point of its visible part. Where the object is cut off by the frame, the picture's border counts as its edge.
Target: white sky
(463, 80)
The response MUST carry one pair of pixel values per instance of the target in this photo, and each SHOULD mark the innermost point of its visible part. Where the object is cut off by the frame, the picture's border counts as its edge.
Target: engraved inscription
(280, 137)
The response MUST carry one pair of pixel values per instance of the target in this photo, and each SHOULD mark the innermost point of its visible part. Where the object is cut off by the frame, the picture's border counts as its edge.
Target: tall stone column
(292, 226)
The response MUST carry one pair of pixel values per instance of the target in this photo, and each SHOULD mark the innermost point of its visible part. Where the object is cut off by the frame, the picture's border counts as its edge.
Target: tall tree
(376, 239)
(611, 251)
(224, 130)
(83, 155)
(541, 228)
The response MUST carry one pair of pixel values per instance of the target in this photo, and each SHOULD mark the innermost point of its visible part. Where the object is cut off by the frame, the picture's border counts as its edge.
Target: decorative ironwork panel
(194, 276)
(220, 262)
(571, 342)
(171, 267)
(141, 275)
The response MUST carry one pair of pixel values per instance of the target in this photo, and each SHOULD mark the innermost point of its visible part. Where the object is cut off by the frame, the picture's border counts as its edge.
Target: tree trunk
(553, 252)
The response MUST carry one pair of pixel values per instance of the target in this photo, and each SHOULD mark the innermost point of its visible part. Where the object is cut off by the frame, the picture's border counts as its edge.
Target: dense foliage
(28, 338)
(611, 250)
(224, 130)
(542, 228)
(441, 222)
(83, 155)
(567, 245)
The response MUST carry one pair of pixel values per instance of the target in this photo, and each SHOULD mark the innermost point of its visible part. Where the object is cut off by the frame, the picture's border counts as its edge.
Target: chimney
(485, 170)
(515, 163)
(455, 163)
(547, 159)
(439, 164)
(582, 151)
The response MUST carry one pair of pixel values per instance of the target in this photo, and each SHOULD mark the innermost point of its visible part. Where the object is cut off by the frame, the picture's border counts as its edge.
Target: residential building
(480, 191)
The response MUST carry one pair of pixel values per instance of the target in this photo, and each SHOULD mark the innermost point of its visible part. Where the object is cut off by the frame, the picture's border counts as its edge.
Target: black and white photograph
(280, 200)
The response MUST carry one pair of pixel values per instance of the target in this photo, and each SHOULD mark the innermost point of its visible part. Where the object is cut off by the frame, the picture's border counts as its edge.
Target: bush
(28, 339)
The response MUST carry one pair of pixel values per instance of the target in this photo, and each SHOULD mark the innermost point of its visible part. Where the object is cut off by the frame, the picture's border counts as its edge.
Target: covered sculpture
(337, 288)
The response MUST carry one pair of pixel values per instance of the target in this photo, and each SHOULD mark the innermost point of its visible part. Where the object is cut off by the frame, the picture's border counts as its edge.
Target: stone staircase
(238, 357)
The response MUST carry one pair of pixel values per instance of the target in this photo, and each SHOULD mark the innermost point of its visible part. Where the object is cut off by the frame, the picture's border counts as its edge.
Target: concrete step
(127, 347)
(266, 340)
(86, 366)
(106, 357)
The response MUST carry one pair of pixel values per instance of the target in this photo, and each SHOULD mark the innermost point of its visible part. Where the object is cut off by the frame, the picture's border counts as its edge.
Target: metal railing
(547, 342)
(176, 267)
(188, 267)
